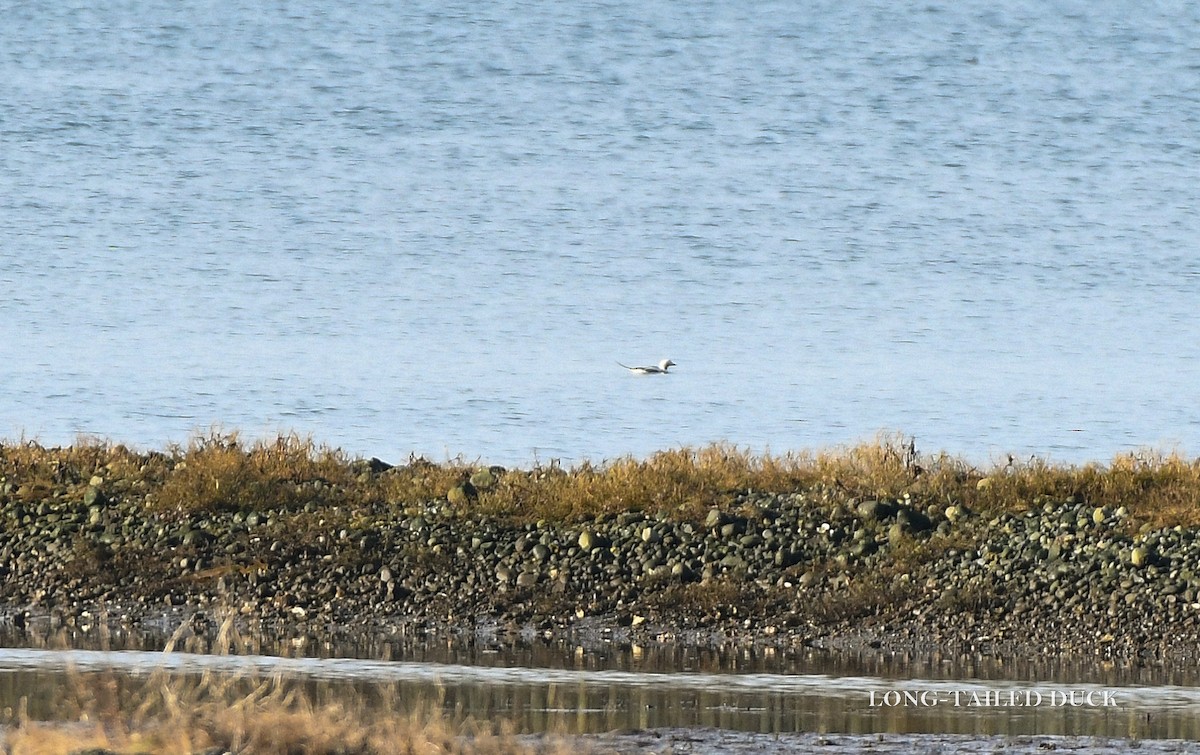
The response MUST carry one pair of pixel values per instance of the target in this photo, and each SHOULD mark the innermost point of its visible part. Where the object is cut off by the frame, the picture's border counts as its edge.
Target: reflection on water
(581, 699)
(503, 651)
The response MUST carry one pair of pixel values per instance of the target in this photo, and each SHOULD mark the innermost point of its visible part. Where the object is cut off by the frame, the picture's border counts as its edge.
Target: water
(434, 227)
(705, 693)
(631, 691)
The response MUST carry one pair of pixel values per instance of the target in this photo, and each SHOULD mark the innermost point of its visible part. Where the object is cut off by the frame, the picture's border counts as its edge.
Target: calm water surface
(636, 688)
(434, 227)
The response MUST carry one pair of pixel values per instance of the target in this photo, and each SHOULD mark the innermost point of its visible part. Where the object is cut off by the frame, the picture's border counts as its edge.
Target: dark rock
(461, 494)
(93, 496)
(197, 537)
(913, 520)
(877, 510)
(715, 519)
(377, 466)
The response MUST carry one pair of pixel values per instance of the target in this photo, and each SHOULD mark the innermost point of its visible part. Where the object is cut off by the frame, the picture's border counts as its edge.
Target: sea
(434, 227)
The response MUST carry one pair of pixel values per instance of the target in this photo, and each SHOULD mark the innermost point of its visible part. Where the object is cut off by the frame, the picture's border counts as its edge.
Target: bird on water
(661, 369)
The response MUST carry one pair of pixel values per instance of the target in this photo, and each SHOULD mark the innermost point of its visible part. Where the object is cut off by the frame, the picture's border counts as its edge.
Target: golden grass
(34, 469)
(168, 714)
(420, 481)
(1160, 489)
(221, 473)
(688, 481)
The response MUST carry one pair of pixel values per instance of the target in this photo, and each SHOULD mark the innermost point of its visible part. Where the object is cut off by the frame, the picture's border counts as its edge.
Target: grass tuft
(218, 472)
(1157, 489)
(32, 469)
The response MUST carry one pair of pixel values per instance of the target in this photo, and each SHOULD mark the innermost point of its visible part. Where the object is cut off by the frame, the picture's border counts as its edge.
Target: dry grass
(168, 714)
(687, 481)
(680, 482)
(1158, 489)
(420, 481)
(221, 473)
(34, 469)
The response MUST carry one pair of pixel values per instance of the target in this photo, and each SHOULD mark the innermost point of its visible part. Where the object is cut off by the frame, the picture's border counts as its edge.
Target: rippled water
(434, 227)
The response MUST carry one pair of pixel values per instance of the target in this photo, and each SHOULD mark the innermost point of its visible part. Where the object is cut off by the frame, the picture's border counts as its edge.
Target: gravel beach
(814, 568)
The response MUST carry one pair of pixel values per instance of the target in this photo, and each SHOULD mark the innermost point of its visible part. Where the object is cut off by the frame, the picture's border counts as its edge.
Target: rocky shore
(815, 567)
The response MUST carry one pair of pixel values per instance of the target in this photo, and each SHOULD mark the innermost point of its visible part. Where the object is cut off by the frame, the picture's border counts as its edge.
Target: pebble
(805, 563)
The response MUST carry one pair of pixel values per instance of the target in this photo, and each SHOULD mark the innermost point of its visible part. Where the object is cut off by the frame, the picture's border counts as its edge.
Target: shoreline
(818, 567)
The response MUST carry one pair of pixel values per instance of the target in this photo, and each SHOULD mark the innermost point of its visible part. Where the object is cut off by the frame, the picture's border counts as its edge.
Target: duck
(661, 369)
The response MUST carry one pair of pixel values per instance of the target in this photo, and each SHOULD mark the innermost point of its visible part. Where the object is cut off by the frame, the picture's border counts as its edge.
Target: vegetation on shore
(221, 472)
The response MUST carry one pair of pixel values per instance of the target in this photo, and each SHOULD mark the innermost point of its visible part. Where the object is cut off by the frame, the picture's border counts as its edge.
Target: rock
(957, 513)
(786, 557)
(587, 541)
(197, 537)
(460, 495)
(527, 579)
(913, 520)
(1138, 556)
(93, 496)
(715, 519)
(484, 479)
(863, 547)
(733, 562)
(875, 509)
(377, 466)
(683, 573)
